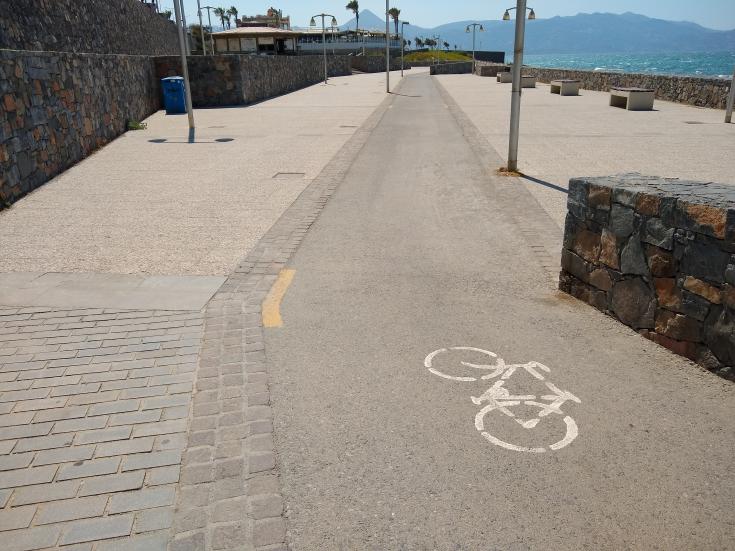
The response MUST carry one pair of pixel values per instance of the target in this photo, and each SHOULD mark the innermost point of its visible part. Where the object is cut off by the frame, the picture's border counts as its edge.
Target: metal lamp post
(474, 29)
(209, 18)
(201, 27)
(403, 47)
(324, 38)
(387, 47)
(185, 70)
(730, 100)
(515, 103)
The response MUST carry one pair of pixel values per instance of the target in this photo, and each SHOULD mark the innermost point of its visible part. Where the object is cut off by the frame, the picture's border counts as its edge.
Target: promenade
(148, 400)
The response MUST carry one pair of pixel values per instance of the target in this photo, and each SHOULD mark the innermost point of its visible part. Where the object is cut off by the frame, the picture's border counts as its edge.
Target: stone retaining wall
(56, 108)
(484, 69)
(658, 255)
(375, 64)
(702, 92)
(223, 80)
(92, 26)
(456, 68)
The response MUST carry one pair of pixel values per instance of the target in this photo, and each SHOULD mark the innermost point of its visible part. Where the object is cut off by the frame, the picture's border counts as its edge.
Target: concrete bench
(565, 87)
(528, 81)
(505, 77)
(632, 99)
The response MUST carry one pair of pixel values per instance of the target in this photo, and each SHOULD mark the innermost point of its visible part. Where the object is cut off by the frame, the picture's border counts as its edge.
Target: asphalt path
(623, 446)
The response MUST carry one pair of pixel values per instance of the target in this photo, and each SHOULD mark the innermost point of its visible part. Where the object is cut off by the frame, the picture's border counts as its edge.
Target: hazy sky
(715, 14)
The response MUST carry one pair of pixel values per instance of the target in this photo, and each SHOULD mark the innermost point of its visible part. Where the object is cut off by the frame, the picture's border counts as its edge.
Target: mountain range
(582, 33)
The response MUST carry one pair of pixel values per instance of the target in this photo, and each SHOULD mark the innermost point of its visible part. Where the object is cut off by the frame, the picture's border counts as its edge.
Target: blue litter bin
(174, 97)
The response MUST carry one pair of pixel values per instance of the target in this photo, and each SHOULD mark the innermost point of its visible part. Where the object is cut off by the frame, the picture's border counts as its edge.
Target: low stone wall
(456, 68)
(702, 92)
(91, 26)
(658, 255)
(223, 80)
(375, 64)
(57, 108)
(484, 69)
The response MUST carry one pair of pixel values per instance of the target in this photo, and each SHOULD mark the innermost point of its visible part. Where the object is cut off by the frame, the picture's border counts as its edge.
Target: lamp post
(186, 32)
(474, 29)
(387, 47)
(185, 70)
(402, 44)
(324, 38)
(515, 102)
(730, 100)
(201, 27)
(209, 18)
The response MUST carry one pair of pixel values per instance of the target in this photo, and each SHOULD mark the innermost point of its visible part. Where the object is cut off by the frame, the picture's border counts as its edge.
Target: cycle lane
(412, 255)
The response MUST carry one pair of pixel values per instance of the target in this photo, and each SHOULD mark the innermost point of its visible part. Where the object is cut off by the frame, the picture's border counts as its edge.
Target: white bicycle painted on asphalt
(498, 397)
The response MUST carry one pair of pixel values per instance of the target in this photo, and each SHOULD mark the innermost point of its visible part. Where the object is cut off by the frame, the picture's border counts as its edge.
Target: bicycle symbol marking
(499, 398)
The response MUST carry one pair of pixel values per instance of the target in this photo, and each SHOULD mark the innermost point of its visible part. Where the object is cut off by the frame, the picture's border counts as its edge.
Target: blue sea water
(718, 65)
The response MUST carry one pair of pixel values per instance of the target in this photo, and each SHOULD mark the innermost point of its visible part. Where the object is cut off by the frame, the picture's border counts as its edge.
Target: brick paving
(93, 417)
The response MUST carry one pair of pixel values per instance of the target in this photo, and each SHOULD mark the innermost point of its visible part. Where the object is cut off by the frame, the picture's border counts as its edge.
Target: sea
(717, 65)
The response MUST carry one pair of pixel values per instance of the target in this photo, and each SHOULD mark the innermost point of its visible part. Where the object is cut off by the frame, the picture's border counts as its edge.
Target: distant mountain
(581, 33)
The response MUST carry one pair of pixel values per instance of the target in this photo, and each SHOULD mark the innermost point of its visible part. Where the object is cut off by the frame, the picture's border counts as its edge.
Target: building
(343, 42)
(256, 40)
(273, 18)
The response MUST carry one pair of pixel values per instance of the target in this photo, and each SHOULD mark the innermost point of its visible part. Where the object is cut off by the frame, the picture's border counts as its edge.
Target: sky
(714, 14)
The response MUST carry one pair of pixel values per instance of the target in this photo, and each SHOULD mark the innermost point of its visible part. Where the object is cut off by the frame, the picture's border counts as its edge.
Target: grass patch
(438, 55)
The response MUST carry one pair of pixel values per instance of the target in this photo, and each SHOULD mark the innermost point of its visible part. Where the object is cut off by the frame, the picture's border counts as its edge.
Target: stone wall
(376, 64)
(483, 69)
(702, 92)
(456, 68)
(56, 108)
(241, 79)
(658, 255)
(92, 26)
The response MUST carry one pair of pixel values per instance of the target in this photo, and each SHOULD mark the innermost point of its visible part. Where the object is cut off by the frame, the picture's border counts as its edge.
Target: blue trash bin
(174, 97)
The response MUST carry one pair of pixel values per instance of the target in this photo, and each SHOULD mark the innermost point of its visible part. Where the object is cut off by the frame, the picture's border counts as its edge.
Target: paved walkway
(571, 136)
(386, 441)
(136, 383)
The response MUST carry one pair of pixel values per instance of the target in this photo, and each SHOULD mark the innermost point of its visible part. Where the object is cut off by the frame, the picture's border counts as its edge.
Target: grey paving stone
(25, 431)
(56, 381)
(146, 542)
(179, 412)
(97, 529)
(45, 492)
(17, 517)
(142, 499)
(15, 461)
(124, 447)
(33, 538)
(26, 477)
(104, 435)
(269, 531)
(135, 417)
(150, 460)
(229, 536)
(63, 455)
(188, 542)
(44, 442)
(161, 518)
(5, 497)
(60, 414)
(22, 395)
(93, 467)
(166, 401)
(71, 390)
(80, 424)
(163, 427)
(71, 509)
(120, 406)
(143, 392)
(112, 483)
(94, 398)
(164, 475)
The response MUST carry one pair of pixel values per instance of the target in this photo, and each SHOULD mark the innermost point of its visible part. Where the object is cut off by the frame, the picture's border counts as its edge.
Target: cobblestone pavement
(93, 415)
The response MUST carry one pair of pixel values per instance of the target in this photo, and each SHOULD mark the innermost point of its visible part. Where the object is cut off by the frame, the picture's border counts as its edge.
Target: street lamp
(324, 37)
(387, 46)
(201, 28)
(730, 101)
(209, 18)
(185, 70)
(474, 28)
(402, 44)
(515, 102)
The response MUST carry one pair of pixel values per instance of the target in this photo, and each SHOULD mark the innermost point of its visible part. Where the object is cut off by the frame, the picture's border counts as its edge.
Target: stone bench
(505, 77)
(565, 87)
(632, 99)
(658, 255)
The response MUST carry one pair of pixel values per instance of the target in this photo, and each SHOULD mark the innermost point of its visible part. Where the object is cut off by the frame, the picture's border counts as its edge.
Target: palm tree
(233, 12)
(419, 43)
(354, 7)
(409, 44)
(395, 13)
(446, 45)
(221, 13)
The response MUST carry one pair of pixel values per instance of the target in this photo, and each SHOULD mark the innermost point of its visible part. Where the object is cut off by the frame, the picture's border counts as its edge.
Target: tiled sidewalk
(93, 418)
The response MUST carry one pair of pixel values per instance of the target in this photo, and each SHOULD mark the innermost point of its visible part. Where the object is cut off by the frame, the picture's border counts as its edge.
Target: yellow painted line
(272, 303)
